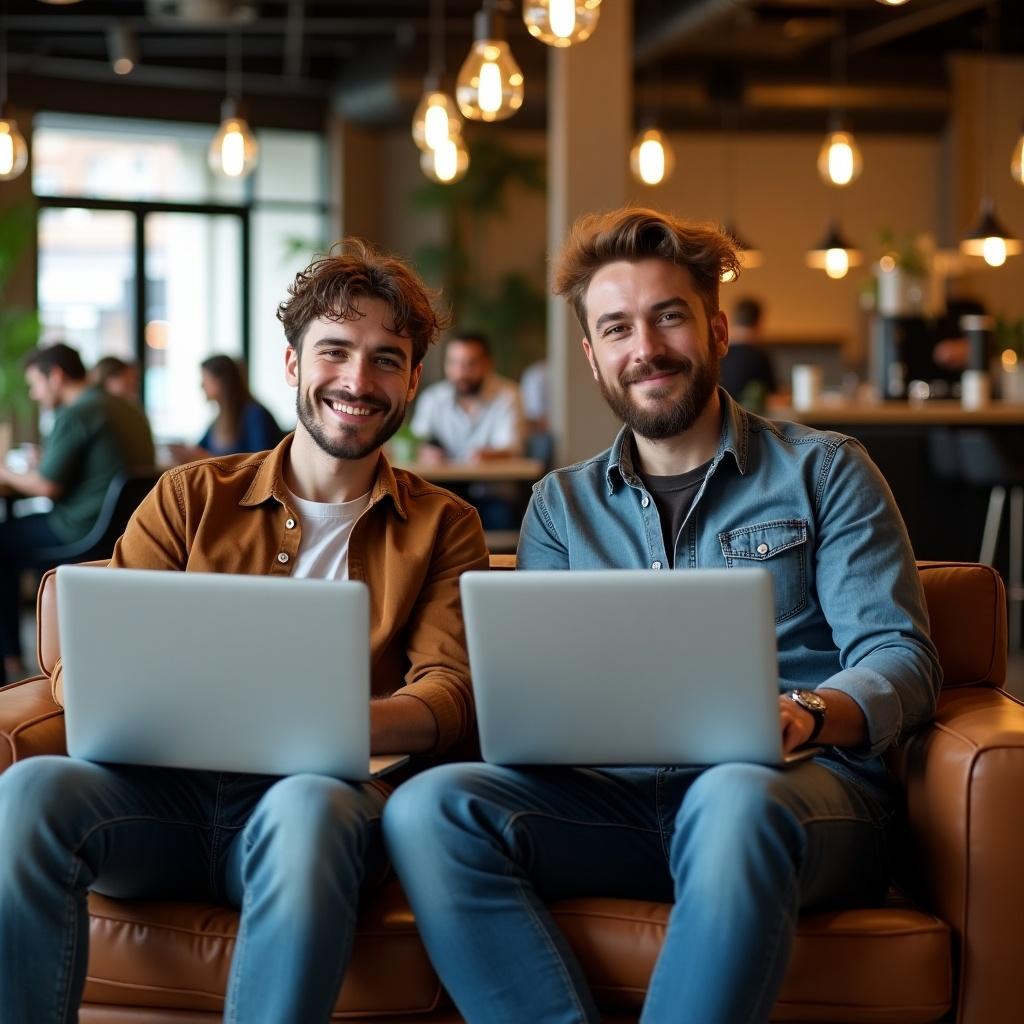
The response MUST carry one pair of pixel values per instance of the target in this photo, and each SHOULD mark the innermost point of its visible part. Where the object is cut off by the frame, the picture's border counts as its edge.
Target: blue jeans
(292, 853)
(739, 849)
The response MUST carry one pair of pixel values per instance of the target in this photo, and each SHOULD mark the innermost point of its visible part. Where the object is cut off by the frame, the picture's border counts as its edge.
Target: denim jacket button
(762, 549)
(645, 501)
(655, 564)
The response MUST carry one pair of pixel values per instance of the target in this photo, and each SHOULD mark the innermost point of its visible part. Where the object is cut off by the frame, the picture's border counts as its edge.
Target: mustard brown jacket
(232, 514)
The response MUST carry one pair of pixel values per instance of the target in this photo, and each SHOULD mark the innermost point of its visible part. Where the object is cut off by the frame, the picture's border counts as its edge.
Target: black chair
(986, 462)
(123, 497)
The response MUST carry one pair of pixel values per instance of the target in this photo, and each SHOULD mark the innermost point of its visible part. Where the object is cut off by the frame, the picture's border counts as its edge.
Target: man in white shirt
(473, 414)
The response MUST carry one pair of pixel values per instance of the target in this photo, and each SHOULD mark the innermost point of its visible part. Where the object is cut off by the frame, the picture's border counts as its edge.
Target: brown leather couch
(947, 945)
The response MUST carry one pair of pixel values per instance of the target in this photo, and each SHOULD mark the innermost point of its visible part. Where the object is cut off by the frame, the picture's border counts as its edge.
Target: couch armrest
(30, 722)
(963, 777)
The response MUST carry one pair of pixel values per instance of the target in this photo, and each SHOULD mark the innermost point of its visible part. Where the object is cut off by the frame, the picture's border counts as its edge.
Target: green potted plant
(19, 327)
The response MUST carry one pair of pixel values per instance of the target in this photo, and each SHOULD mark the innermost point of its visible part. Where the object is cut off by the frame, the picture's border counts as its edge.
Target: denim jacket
(811, 508)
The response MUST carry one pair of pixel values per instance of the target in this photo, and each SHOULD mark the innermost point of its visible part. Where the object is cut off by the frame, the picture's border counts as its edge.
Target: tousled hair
(353, 269)
(634, 233)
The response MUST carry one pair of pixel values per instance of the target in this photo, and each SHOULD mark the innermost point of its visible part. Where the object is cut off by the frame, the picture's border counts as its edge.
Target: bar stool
(986, 463)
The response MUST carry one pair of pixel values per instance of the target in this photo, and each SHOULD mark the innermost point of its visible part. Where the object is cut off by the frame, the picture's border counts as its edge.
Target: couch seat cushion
(162, 954)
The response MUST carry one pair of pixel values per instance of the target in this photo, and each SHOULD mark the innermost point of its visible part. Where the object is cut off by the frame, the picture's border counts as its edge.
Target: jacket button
(762, 549)
(289, 524)
(645, 501)
(282, 557)
(655, 564)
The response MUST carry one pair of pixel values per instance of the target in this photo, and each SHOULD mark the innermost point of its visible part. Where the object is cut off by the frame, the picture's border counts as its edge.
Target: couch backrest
(966, 604)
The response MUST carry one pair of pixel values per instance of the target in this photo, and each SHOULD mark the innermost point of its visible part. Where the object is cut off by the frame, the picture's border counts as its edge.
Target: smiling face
(355, 379)
(653, 349)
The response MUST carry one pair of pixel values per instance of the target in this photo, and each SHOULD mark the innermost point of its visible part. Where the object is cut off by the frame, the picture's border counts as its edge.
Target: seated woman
(242, 424)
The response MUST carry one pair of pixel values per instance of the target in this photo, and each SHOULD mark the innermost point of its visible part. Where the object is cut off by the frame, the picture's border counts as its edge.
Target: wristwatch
(812, 702)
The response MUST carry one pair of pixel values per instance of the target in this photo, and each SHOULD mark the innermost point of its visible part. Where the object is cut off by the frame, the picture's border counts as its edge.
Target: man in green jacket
(95, 436)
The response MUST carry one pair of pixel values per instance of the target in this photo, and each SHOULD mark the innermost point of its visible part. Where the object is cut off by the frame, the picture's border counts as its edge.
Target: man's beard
(658, 424)
(347, 446)
(469, 388)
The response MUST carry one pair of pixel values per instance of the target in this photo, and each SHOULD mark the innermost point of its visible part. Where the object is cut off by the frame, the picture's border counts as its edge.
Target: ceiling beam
(896, 26)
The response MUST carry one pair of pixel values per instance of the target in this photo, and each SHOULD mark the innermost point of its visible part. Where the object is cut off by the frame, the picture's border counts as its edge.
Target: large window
(145, 254)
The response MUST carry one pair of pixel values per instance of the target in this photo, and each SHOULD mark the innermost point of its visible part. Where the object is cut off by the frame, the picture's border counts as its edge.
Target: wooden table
(489, 471)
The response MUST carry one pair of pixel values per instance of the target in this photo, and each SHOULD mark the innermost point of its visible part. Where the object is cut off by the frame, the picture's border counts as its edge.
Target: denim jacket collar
(735, 439)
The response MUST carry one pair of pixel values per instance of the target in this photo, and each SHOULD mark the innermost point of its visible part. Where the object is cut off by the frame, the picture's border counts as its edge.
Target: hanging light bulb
(839, 159)
(989, 239)
(436, 120)
(651, 159)
(234, 151)
(893, 3)
(13, 150)
(1017, 160)
(561, 22)
(834, 254)
(447, 163)
(490, 84)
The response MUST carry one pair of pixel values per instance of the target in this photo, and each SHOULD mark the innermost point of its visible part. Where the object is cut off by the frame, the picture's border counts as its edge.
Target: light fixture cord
(3, 56)
(729, 119)
(839, 62)
(986, 155)
(234, 67)
(437, 40)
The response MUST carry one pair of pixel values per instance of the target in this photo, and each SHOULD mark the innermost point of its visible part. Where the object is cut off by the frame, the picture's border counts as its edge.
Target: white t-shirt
(326, 528)
(495, 422)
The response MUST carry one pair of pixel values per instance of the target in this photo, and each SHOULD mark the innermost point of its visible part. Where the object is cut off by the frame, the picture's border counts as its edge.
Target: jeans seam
(231, 996)
(215, 837)
(772, 946)
(71, 941)
(520, 887)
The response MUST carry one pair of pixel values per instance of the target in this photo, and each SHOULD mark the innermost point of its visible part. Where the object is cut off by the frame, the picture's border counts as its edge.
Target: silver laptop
(216, 671)
(624, 666)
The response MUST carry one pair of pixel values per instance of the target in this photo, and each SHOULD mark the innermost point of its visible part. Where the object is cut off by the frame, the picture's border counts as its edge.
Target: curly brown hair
(634, 233)
(352, 268)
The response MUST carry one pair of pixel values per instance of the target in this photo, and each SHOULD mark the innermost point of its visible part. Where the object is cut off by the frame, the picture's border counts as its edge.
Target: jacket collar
(269, 481)
(735, 440)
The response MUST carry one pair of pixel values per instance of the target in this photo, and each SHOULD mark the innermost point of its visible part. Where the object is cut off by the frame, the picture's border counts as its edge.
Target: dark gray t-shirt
(673, 496)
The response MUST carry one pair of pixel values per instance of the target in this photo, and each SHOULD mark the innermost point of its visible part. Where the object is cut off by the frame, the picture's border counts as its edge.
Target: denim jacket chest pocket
(780, 546)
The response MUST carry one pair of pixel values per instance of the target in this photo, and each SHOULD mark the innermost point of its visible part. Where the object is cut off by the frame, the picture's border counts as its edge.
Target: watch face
(811, 700)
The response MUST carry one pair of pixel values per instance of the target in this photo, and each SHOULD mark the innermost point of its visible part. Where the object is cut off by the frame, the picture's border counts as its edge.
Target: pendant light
(13, 148)
(234, 151)
(447, 163)
(651, 159)
(437, 119)
(893, 3)
(561, 22)
(839, 159)
(834, 254)
(988, 238)
(749, 255)
(1017, 160)
(490, 83)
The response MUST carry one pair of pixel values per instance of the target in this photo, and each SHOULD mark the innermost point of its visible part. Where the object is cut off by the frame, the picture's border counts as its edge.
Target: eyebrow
(388, 350)
(675, 302)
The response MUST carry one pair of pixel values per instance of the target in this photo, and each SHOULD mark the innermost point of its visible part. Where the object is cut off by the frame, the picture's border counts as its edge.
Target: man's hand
(845, 725)
(401, 725)
(797, 724)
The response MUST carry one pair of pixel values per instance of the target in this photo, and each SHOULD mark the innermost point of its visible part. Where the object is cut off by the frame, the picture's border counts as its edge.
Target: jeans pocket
(780, 546)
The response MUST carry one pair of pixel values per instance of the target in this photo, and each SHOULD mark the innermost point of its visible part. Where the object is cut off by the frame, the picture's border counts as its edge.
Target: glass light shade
(234, 151)
(13, 150)
(447, 164)
(490, 84)
(651, 159)
(839, 159)
(436, 120)
(561, 22)
(989, 239)
(1017, 160)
